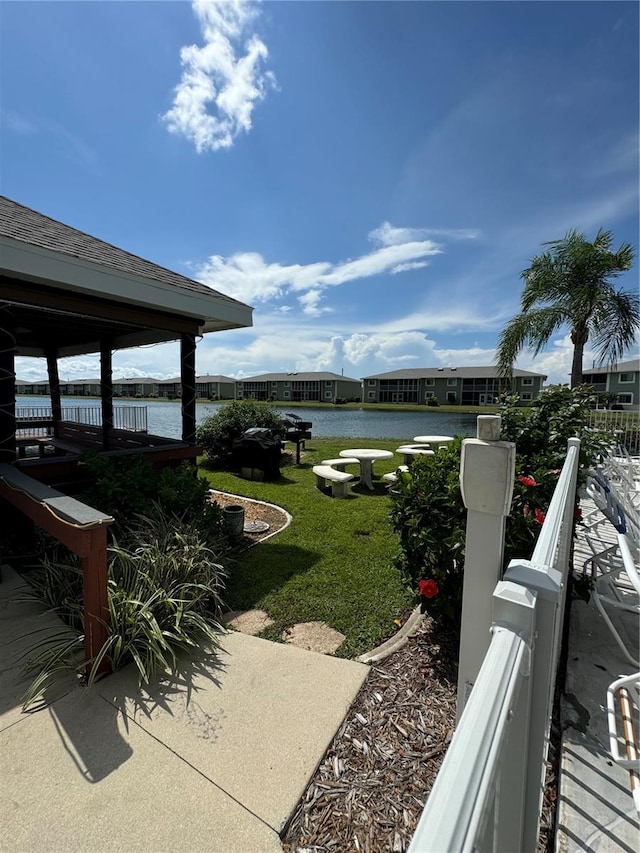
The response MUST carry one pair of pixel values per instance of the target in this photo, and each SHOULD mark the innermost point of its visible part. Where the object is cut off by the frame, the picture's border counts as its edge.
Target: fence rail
(132, 418)
(488, 793)
(624, 427)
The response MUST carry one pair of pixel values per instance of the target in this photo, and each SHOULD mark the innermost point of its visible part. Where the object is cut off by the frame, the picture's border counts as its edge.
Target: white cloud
(389, 235)
(221, 81)
(246, 276)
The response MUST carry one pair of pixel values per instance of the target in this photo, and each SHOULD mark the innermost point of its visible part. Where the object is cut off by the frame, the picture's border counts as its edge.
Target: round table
(433, 439)
(366, 457)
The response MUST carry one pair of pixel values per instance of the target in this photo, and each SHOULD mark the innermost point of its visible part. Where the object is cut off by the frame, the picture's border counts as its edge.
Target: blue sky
(371, 176)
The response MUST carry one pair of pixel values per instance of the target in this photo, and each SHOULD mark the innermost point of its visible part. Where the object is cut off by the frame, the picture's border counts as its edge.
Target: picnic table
(366, 457)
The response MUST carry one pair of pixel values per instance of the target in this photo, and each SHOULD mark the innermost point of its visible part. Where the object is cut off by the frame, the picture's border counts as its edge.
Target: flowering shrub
(429, 515)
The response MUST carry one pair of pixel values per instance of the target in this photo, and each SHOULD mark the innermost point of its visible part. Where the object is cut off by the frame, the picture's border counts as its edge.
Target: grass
(334, 563)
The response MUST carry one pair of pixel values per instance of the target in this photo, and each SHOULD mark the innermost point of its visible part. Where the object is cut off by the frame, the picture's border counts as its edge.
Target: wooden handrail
(83, 530)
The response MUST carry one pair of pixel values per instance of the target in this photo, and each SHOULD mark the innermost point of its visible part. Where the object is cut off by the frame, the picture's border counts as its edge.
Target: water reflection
(164, 418)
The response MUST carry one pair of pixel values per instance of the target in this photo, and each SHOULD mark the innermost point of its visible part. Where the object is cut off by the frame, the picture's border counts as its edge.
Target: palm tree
(570, 285)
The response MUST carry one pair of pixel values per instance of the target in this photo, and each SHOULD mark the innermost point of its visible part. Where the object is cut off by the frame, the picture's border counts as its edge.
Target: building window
(627, 377)
(526, 395)
(451, 397)
(428, 394)
(625, 399)
(274, 384)
(327, 394)
(452, 380)
(285, 393)
(372, 395)
(328, 384)
(372, 381)
(430, 381)
(286, 385)
(527, 380)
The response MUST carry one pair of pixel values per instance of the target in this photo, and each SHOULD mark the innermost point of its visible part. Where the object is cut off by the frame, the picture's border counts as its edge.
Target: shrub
(428, 512)
(164, 591)
(129, 485)
(217, 432)
(433, 401)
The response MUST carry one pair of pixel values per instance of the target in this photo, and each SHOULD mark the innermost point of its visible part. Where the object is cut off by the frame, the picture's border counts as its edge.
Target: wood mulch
(369, 791)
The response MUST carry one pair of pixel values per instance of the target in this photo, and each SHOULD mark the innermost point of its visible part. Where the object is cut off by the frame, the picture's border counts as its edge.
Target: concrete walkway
(214, 760)
(595, 806)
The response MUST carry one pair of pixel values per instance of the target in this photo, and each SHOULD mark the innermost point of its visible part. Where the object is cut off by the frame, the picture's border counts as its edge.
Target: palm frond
(532, 329)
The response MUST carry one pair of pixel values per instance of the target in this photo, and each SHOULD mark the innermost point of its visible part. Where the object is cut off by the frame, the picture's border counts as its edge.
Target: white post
(487, 471)
(547, 584)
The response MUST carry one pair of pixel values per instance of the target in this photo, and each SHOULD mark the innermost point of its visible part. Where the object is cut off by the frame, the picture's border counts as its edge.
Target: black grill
(259, 448)
(297, 431)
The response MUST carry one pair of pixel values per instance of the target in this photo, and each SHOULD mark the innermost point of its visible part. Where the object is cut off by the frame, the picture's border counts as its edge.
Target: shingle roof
(434, 372)
(217, 378)
(29, 226)
(317, 376)
(619, 367)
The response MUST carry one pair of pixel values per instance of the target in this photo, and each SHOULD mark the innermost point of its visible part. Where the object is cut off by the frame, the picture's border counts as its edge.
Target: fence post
(487, 469)
(547, 583)
(514, 608)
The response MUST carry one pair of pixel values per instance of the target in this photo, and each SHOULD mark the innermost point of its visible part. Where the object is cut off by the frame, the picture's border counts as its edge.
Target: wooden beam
(54, 390)
(7, 385)
(188, 380)
(37, 297)
(106, 392)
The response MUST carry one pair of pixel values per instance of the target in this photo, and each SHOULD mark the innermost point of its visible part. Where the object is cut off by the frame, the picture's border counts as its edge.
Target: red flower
(428, 588)
(526, 481)
(539, 516)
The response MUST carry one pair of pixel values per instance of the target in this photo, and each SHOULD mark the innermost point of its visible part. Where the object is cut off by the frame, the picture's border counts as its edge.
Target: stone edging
(393, 643)
(288, 516)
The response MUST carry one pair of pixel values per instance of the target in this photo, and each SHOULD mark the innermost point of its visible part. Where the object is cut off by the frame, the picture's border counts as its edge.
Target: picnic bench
(337, 479)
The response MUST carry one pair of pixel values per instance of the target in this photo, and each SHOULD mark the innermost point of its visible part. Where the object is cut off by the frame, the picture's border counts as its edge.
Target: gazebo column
(7, 385)
(54, 390)
(188, 381)
(106, 392)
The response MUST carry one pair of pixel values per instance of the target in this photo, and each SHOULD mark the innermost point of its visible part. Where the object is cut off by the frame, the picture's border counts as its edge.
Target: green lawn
(333, 563)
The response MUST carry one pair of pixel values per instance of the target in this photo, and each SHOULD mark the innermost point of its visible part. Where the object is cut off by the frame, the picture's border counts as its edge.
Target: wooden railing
(83, 530)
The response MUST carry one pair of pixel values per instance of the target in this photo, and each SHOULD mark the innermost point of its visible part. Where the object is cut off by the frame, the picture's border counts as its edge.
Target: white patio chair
(617, 588)
(624, 695)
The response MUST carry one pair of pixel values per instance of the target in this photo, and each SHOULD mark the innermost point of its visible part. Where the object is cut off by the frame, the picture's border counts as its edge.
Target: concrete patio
(215, 759)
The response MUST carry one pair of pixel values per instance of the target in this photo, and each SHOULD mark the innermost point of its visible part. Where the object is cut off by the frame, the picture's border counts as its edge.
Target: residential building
(465, 386)
(316, 386)
(135, 387)
(215, 387)
(81, 388)
(621, 379)
(28, 389)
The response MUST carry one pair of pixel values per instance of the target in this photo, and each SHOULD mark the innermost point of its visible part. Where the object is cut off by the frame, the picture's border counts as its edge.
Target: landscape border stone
(394, 643)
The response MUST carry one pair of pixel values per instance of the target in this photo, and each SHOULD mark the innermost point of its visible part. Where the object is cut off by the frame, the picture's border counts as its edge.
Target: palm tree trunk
(576, 366)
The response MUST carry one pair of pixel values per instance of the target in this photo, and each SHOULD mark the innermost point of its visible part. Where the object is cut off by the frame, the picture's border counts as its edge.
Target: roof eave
(214, 313)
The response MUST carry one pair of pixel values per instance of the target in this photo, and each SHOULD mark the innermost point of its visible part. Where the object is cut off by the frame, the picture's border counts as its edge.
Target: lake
(163, 418)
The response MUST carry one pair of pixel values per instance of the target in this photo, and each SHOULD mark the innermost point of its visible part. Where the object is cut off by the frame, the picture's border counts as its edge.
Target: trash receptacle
(233, 517)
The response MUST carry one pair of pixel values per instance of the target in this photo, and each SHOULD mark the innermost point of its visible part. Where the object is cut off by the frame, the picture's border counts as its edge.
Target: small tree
(217, 432)
(570, 285)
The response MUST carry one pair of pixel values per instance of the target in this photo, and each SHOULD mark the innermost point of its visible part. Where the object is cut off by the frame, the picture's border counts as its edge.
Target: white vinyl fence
(488, 793)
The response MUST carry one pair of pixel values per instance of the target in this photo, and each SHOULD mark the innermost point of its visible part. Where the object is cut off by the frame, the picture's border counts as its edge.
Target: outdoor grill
(297, 431)
(259, 448)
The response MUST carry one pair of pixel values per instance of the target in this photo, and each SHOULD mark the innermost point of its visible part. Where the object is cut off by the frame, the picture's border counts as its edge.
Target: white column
(487, 471)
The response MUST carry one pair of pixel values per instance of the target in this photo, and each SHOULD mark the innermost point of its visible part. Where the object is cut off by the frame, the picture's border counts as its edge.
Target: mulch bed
(275, 517)
(369, 791)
